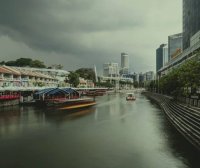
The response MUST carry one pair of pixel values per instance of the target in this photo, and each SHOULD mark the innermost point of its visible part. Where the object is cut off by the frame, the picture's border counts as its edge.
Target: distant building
(165, 55)
(161, 56)
(174, 45)
(83, 83)
(124, 63)
(134, 76)
(191, 37)
(191, 20)
(111, 70)
(149, 76)
(141, 78)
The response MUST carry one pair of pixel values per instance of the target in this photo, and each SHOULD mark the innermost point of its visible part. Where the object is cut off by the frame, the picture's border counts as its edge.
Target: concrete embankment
(185, 119)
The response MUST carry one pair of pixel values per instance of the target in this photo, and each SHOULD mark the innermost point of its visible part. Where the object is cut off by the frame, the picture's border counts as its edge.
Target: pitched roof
(12, 70)
(3, 70)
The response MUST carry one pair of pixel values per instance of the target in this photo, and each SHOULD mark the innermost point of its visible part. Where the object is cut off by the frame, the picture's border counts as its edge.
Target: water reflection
(17, 118)
(115, 133)
(62, 116)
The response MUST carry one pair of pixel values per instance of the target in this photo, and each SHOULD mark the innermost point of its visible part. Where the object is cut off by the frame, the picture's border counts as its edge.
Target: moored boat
(62, 99)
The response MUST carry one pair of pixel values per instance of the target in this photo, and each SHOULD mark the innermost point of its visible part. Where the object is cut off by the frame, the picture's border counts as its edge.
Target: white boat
(130, 96)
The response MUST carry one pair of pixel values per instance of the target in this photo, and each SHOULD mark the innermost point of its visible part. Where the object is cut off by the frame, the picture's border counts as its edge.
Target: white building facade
(111, 70)
(14, 78)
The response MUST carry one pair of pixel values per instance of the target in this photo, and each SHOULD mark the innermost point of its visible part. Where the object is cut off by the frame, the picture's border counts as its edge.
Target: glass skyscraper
(161, 56)
(191, 20)
(174, 44)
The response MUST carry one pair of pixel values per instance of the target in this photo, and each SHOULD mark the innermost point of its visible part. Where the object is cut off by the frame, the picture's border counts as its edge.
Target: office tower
(124, 63)
(161, 54)
(165, 55)
(149, 76)
(191, 20)
(175, 45)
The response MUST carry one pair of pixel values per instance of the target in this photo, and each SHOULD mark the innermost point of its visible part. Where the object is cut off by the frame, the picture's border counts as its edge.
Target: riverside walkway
(185, 119)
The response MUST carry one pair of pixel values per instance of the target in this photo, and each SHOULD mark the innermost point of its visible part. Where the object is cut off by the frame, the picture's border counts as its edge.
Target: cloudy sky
(81, 33)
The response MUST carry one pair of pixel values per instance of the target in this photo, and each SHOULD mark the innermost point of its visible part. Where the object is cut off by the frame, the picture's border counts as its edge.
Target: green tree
(86, 73)
(73, 79)
(22, 62)
(56, 66)
(37, 64)
(2, 63)
(180, 79)
(170, 84)
(106, 84)
(136, 84)
(151, 85)
(10, 63)
(189, 75)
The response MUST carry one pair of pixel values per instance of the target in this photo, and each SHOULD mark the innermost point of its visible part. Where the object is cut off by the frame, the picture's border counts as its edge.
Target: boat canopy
(55, 91)
(43, 91)
(70, 90)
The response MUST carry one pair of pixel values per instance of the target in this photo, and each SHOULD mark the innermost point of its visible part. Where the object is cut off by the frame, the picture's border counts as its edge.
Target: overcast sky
(81, 33)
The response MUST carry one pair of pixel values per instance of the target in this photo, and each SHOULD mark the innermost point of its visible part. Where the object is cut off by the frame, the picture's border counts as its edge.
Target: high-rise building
(111, 70)
(124, 63)
(149, 76)
(141, 78)
(174, 44)
(191, 20)
(161, 54)
(195, 39)
(165, 54)
(124, 60)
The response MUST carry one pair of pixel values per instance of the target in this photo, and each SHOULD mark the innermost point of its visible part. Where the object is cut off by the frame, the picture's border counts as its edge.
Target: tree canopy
(179, 80)
(23, 62)
(86, 73)
(73, 79)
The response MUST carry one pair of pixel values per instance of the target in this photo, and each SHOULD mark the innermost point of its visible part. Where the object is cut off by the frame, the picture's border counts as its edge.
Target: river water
(113, 134)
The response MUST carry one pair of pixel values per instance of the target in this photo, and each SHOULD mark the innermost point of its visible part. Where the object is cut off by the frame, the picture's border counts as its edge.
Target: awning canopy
(43, 91)
(70, 90)
(55, 91)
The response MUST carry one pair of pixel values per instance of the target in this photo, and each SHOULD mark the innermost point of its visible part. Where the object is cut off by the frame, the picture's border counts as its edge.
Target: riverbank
(185, 120)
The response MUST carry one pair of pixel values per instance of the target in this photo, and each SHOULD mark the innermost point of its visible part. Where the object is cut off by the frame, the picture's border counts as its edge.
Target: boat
(62, 99)
(130, 96)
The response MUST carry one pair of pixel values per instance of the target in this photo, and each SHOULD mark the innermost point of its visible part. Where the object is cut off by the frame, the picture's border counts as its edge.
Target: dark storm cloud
(86, 32)
(61, 26)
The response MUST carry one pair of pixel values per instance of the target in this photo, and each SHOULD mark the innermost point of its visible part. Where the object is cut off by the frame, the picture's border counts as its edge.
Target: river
(113, 134)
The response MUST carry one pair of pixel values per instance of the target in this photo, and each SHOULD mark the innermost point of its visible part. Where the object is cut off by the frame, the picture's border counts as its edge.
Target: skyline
(72, 32)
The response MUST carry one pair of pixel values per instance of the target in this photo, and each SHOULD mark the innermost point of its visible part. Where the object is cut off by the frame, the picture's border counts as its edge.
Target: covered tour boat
(62, 98)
